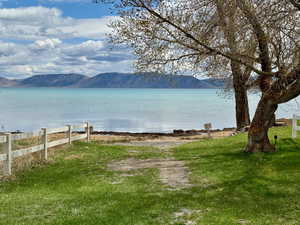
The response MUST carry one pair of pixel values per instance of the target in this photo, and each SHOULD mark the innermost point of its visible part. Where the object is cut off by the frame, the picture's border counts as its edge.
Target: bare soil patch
(172, 173)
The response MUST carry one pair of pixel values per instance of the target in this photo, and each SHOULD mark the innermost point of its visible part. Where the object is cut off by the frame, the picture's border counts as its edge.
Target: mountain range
(112, 80)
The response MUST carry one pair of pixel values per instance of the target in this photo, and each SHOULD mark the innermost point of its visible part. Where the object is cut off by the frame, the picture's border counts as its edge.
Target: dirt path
(172, 173)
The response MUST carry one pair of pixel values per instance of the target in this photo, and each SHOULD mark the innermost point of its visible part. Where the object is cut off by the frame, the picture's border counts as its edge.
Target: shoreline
(181, 132)
(175, 133)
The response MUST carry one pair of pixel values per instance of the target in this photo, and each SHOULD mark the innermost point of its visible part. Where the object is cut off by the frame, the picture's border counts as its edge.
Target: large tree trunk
(241, 107)
(228, 23)
(241, 98)
(258, 140)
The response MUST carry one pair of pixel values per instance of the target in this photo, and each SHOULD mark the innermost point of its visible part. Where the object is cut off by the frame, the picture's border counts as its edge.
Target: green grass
(230, 187)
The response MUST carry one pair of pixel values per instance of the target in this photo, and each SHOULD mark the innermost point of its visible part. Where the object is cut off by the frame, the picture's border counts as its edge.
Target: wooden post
(70, 134)
(294, 127)
(45, 141)
(88, 131)
(7, 150)
(207, 127)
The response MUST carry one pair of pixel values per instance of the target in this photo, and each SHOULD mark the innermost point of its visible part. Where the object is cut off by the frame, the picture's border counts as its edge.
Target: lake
(134, 110)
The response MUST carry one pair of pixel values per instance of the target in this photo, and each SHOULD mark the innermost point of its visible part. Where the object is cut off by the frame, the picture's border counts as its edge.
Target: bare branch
(296, 3)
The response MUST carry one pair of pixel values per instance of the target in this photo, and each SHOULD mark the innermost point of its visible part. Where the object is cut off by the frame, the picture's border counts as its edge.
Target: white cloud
(47, 48)
(32, 15)
(86, 48)
(55, 56)
(7, 49)
(33, 23)
(89, 28)
(47, 43)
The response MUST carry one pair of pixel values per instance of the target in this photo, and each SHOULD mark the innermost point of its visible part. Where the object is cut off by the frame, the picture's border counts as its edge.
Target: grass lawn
(230, 187)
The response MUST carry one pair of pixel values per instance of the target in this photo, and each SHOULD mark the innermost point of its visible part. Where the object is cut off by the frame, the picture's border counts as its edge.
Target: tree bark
(241, 98)
(241, 106)
(258, 140)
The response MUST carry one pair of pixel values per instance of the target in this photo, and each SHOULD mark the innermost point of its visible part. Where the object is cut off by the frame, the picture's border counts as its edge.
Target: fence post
(8, 149)
(208, 127)
(70, 134)
(294, 127)
(88, 131)
(45, 141)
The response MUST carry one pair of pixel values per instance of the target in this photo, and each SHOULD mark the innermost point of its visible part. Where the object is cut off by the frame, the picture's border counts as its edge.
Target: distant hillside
(52, 80)
(112, 80)
(7, 83)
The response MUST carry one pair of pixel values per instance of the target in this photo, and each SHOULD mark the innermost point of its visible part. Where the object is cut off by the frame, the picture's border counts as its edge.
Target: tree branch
(211, 49)
(295, 3)
(260, 35)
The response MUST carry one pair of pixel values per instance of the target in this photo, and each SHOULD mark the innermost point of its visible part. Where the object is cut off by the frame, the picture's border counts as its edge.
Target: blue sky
(58, 36)
(72, 8)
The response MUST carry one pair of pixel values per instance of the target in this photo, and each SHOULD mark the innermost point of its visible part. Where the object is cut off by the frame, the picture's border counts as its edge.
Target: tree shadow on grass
(265, 183)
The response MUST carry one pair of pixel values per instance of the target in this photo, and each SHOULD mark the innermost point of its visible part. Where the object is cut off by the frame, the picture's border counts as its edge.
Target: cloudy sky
(57, 36)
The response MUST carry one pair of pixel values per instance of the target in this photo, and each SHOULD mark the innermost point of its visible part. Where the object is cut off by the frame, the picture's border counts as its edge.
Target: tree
(228, 14)
(277, 35)
(260, 36)
(162, 48)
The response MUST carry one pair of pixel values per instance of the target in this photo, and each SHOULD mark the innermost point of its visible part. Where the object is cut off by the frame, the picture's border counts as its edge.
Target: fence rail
(295, 126)
(8, 139)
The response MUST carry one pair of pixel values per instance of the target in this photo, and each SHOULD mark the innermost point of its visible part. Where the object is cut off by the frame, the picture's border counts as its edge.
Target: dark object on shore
(192, 132)
(13, 132)
(178, 131)
(229, 129)
(174, 134)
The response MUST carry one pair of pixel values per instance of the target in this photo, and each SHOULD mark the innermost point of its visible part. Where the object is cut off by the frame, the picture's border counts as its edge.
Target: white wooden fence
(295, 126)
(9, 154)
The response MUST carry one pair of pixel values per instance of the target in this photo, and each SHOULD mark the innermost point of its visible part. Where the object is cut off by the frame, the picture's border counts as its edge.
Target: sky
(58, 36)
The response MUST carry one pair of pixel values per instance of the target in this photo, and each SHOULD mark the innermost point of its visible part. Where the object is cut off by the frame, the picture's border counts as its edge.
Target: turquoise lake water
(135, 110)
